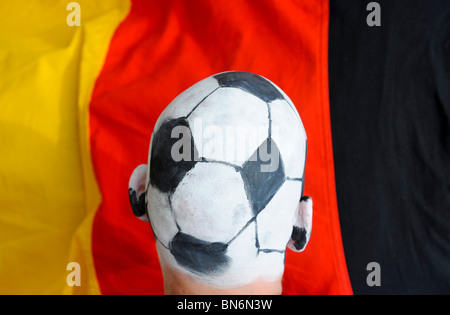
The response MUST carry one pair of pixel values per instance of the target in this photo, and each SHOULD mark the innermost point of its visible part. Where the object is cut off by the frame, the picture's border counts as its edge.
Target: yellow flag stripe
(48, 193)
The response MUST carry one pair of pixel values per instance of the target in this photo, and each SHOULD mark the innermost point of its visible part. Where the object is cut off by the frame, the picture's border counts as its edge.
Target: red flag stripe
(161, 49)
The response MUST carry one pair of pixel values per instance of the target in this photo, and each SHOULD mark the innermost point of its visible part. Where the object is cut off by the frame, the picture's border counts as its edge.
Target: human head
(224, 182)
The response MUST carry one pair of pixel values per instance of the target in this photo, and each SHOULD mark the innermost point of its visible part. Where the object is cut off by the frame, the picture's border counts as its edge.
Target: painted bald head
(224, 181)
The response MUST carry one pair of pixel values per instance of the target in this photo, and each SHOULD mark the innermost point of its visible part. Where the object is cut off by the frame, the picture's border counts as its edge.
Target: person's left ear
(136, 192)
(302, 226)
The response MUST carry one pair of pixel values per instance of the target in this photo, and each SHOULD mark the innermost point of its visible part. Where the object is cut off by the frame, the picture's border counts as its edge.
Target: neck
(176, 283)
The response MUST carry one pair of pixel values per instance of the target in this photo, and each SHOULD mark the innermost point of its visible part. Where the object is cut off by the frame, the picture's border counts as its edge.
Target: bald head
(223, 185)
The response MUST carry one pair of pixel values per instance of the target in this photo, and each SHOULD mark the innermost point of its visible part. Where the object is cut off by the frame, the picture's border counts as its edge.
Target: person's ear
(302, 226)
(136, 192)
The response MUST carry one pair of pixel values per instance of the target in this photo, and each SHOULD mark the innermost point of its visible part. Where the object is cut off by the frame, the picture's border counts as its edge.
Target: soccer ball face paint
(225, 176)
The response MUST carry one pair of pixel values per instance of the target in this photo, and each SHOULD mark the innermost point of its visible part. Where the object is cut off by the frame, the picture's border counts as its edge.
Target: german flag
(82, 84)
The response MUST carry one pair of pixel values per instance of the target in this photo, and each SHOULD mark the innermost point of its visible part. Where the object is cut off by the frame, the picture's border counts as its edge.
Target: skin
(176, 283)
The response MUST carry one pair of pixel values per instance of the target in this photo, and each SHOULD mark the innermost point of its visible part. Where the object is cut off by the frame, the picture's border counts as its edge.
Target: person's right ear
(136, 192)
